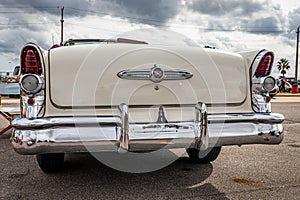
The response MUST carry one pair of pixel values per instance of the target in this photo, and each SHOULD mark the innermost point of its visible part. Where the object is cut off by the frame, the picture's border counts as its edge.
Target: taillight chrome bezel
(263, 85)
(261, 81)
(39, 84)
(258, 61)
(269, 83)
(33, 94)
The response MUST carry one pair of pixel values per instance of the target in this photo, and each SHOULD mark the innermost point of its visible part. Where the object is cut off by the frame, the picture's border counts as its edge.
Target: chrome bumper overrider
(109, 133)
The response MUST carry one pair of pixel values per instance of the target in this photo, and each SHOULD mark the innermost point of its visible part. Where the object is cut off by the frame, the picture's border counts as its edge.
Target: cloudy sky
(230, 25)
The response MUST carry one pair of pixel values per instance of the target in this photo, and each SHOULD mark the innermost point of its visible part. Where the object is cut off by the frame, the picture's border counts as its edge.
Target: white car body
(140, 97)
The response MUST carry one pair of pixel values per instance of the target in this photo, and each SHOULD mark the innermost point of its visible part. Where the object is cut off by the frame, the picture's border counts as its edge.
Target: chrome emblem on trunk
(155, 74)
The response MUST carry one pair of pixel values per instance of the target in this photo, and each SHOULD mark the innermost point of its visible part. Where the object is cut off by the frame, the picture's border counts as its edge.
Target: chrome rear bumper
(94, 134)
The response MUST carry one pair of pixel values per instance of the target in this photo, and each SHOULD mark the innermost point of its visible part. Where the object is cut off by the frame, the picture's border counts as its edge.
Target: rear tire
(50, 162)
(204, 156)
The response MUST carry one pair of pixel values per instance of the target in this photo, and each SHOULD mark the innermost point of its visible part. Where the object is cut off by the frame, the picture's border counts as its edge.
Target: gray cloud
(268, 25)
(12, 40)
(294, 23)
(294, 18)
(225, 7)
(22, 24)
(35, 20)
(247, 16)
(154, 12)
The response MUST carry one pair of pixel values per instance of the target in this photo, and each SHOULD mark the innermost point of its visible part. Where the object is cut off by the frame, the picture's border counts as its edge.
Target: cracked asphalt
(247, 172)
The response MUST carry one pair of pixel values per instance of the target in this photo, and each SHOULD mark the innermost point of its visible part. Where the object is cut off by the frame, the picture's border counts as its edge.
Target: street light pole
(62, 26)
(297, 55)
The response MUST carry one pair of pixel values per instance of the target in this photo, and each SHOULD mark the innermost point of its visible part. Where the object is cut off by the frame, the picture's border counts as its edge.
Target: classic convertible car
(129, 96)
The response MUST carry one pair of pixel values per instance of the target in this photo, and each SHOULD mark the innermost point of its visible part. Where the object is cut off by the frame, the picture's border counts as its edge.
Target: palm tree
(283, 65)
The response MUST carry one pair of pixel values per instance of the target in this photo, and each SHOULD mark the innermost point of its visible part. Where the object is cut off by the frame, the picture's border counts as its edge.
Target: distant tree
(283, 65)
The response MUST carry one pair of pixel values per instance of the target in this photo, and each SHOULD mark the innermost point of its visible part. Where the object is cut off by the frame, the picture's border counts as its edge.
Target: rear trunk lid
(87, 76)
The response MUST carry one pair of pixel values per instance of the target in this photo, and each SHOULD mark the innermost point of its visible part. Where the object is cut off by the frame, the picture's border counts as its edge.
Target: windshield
(72, 42)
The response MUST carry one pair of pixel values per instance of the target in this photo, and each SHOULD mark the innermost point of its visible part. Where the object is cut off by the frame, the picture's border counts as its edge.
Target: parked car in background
(127, 95)
(3, 76)
(15, 77)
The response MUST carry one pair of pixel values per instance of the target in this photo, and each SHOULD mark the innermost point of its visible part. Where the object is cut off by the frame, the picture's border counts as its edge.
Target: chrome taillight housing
(32, 81)
(269, 83)
(263, 85)
(262, 82)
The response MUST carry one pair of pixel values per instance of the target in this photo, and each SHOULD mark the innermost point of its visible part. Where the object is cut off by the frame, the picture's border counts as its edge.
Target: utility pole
(62, 26)
(297, 55)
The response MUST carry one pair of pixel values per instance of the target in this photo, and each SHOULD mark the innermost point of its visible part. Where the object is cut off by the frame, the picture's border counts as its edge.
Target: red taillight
(265, 65)
(30, 101)
(31, 61)
(268, 99)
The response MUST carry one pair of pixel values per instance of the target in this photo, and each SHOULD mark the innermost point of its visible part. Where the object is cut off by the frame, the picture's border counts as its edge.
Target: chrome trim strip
(149, 74)
(44, 123)
(92, 107)
(265, 118)
(24, 123)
